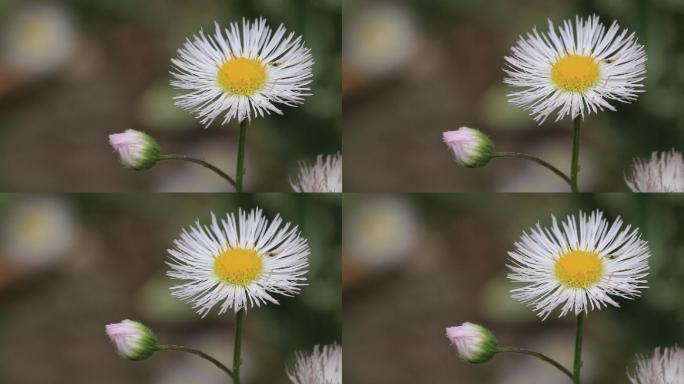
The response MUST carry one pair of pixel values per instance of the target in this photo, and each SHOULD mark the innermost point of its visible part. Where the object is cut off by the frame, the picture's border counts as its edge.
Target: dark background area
(70, 264)
(101, 66)
(422, 262)
(413, 69)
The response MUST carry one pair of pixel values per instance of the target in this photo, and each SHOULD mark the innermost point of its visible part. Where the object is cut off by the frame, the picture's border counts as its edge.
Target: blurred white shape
(531, 177)
(323, 175)
(380, 231)
(38, 38)
(522, 369)
(38, 231)
(322, 366)
(186, 368)
(380, 38)
(187, 177)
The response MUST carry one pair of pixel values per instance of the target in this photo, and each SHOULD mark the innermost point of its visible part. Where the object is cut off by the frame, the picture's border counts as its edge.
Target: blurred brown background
(413, 69)
(416, 264)
(74, 71)
(70, 264)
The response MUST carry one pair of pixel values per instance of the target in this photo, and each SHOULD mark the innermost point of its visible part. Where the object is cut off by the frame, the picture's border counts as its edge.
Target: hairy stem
(518, 155)
(240, 170)
(578, 348)
(180, 348)
(202, 163)
(238, 342)
(540, 356)
(574, 165)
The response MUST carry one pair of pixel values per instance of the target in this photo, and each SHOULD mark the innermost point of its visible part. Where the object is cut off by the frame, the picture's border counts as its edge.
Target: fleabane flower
(136, 150)
(242, 73)
(581, 265)
(322, 366)
(238, 263)
(325, 175)
(474, 343)
(133, 340)
(471, 148)
(664, 172)
(575, 70)
(666, 366)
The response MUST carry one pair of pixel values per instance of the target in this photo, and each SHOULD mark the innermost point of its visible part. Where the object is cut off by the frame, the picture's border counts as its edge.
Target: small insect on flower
(238, 263)
(580, 266)
(666, 366)
(325, 175)
(474, 343)
(323, 366)
(242, 73)
(133, 340)
(664, 172)
(136, 150)
(575, 70)
(471, 148)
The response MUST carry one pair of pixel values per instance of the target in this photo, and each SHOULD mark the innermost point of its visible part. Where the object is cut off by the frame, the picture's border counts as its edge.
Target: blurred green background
(75, 71)
(69, 264)
(413, 69)
(416, 264)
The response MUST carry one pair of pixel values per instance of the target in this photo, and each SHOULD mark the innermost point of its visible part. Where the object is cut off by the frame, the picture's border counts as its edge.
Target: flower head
(575, 70)
(242, 73)
(325, 175)
(137, 150)
(133, 340)
(666, 366)
(664, 172)
(238, 263)
(580, 266)
(323, 366)
(471, 147)
(474, 343)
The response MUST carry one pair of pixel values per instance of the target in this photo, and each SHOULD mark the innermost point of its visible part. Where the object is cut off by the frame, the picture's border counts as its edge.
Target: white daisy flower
(238, 263)
(242, 73)
(575, 70)
(580, 266)
(666, 366)
(323, 366)
(325, 175)
(664, 172)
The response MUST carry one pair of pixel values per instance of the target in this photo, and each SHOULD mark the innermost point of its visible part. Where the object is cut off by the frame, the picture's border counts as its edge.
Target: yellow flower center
(575, 73)
(579, 269)
(242, 76)
(238, 266)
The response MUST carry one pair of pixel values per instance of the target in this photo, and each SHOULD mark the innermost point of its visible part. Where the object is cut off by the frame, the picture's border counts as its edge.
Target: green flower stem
(202, 163)
(578, 348)
(238, 342)
(540, 356)
(240, 170)
(574, 165)
(180, 348)
(537, 160)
